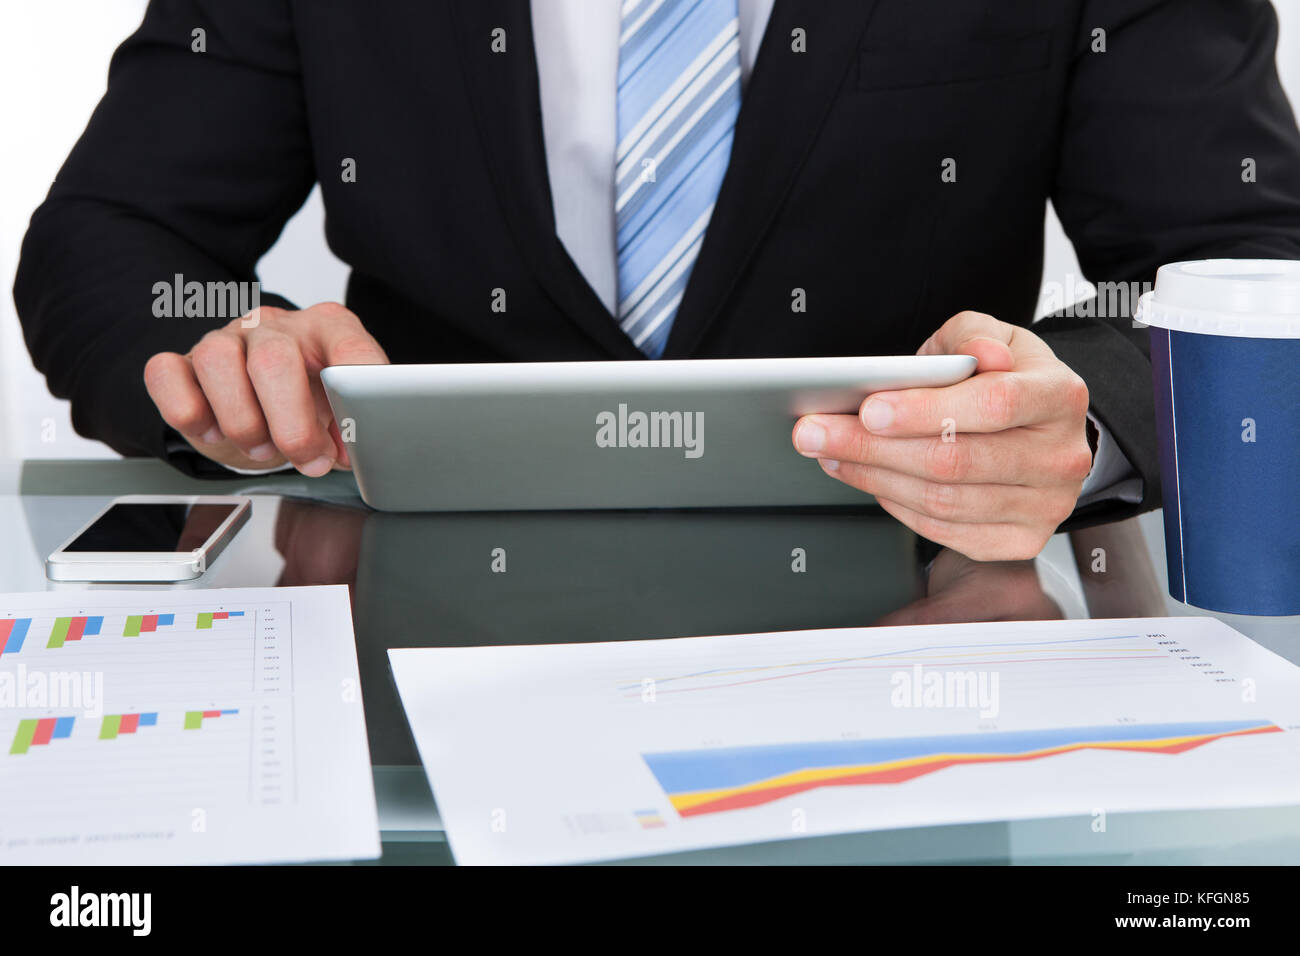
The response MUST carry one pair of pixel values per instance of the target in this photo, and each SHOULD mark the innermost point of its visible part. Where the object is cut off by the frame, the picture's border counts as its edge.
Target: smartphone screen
(152, 527)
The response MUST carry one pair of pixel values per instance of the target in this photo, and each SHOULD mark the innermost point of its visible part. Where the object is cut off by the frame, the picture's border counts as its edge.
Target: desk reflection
(434, 580)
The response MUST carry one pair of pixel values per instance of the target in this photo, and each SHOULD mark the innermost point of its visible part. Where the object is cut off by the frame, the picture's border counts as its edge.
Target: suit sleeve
(191, 164)
(1177, 142)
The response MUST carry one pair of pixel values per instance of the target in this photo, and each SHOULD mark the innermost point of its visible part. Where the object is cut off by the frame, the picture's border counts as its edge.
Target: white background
(53, 68)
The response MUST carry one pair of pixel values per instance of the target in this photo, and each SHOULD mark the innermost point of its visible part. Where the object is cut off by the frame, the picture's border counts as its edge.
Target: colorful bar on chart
(194, 718)
(39, 732)
(23, 738)
(59, 632)
(44, 732)
(13, 631)
(73, 629)
(207, 617)
(137, 624)
(115, 725)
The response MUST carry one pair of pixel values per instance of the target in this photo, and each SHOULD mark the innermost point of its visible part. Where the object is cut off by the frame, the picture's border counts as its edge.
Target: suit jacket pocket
(952, 60)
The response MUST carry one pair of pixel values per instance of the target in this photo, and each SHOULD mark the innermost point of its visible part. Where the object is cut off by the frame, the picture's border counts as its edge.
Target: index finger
(347, 343)
(988, 402)
(998, 346)
(279, 375)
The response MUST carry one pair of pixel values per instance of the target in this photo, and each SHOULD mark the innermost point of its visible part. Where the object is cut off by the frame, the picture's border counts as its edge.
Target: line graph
(741, 738)
(989, 654)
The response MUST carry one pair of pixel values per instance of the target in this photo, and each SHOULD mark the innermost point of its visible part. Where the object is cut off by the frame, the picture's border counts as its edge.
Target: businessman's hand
(320, 543)
(989, 466)
(249, 395)
(960, 590)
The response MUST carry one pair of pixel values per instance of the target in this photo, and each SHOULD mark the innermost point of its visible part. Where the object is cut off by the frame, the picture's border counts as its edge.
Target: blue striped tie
(678, 97)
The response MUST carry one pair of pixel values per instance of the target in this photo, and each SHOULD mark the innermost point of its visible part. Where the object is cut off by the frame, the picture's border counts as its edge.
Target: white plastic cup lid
(1246, 298)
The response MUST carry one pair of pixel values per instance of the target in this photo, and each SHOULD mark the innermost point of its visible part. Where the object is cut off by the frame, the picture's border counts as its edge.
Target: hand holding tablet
(989, 466)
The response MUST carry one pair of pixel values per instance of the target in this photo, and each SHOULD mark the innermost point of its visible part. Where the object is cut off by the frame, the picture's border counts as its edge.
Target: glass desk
(423, 580)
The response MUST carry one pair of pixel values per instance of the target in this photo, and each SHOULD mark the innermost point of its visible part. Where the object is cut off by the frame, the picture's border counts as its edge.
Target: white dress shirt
(577, 66)
(576, 43)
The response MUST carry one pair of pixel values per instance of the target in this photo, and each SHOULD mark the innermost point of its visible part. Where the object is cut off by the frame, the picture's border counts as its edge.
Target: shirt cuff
(1112, 475)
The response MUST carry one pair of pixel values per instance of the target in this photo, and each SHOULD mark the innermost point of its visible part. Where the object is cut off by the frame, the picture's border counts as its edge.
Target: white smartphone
(150, 538)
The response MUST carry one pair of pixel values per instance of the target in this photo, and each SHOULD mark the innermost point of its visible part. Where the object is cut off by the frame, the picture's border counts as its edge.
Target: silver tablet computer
(695, 433)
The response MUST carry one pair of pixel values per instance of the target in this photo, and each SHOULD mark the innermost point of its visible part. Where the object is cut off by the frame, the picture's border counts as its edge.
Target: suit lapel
(503, 89)
(782, 110)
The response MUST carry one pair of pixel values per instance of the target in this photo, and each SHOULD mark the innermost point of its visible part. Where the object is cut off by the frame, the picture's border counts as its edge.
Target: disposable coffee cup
(1225, 366)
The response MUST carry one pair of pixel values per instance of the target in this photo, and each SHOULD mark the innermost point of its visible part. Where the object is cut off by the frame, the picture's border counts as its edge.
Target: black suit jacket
(193, 162)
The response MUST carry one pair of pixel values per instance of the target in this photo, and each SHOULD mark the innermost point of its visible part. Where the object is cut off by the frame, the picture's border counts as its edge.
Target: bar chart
(39, 732)
(164, 727)
(13, 633)
(183, 757)
(194, 718)
(60, 632)
(152, 653)
(115, 725)
(121, 694)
